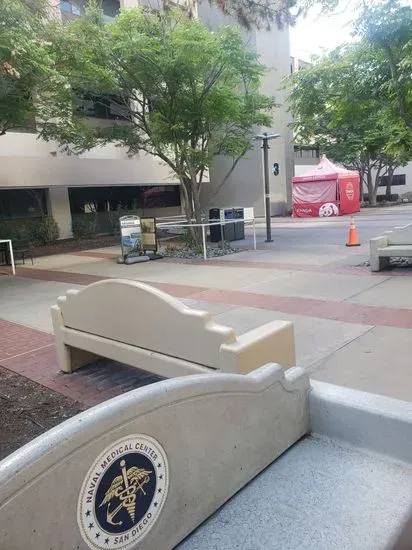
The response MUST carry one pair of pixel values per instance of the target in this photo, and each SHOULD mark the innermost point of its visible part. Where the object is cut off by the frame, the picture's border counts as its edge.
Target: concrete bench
(143, 470)
(395, 243)
(143, 327)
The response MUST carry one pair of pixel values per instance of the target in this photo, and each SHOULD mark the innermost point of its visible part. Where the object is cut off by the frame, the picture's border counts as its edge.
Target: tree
(182, 93)
(26, 65)
(387, 27)
(265, 13)
(339, 104)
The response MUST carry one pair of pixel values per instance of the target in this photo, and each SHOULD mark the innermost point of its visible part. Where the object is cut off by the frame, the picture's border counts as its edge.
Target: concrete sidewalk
(352, 327)
(318, 494)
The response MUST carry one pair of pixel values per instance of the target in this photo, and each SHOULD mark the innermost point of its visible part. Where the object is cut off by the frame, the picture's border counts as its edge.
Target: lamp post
(265, 137)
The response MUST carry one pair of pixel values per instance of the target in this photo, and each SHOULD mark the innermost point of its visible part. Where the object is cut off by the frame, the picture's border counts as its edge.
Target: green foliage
(8, 231)
(113, 221)
(387, 27)
(43, 232)
(26, 64)
(266, 13)
(350, 104)
(84, 226)
(189, 240)
(186, 94)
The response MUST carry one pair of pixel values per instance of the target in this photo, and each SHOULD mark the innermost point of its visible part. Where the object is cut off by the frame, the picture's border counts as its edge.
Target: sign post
(148, 234)
(130, 233)
(138, 238)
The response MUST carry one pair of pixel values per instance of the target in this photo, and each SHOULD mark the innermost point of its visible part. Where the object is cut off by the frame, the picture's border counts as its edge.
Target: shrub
(43, 231)
(113, 222)
(13, 233)
(84, 226)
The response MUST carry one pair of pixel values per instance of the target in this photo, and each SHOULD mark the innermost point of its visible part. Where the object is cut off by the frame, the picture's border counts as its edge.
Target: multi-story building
(37, 177)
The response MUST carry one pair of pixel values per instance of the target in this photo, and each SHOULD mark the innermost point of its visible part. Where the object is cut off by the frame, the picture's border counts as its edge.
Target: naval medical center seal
(123, 493)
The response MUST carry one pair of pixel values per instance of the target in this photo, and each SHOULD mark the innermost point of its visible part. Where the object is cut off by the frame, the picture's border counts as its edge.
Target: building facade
(245, 186)
(36, 177)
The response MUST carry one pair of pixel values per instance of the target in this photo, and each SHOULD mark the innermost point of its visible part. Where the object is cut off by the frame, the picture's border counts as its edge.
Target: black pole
(265, 146)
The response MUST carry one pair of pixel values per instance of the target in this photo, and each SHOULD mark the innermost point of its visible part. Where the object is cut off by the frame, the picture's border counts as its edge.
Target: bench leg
(379, 262)
(69, 358)
(384, 262)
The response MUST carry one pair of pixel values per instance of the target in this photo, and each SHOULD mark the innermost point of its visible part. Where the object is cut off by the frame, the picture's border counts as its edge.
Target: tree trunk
(361, 180)
(191, 207)
(375, 186)
(389, 184)
(372, 190)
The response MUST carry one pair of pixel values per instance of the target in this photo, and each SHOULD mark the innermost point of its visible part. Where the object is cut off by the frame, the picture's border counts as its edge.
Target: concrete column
(59, 208)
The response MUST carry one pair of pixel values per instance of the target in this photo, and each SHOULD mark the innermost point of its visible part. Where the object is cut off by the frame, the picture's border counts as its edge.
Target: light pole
(265, 137)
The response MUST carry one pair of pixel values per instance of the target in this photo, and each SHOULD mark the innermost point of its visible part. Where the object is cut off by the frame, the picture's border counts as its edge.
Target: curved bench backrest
(400, 235)
(140, 315)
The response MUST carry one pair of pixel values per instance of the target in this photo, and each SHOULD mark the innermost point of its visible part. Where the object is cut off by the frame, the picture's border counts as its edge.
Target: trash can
(228, 228)
(215, 235)
(239, 214)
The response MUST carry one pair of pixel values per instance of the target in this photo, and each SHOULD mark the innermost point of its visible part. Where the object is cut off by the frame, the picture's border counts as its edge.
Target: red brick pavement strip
(323, 309)
(315, 268)
(35, 358)
(91, 254)
(179, 291)
(17, 339)
(58, 276)
(337, 311)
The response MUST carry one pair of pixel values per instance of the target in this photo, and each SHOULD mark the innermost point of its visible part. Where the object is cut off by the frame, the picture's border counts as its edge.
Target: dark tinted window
(22, 203)
(399, 179)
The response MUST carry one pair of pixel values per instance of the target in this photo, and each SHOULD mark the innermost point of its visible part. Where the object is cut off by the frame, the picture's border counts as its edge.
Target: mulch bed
(28, 409)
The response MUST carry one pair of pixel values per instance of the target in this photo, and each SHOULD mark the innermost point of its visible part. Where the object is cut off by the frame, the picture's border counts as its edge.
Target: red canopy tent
(326, 190)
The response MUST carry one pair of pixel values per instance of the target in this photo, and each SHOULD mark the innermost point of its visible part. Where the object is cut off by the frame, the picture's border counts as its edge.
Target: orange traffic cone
(353, 237)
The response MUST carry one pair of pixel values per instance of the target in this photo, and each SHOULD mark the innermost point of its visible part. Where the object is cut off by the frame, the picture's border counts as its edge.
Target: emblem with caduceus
(125, 487)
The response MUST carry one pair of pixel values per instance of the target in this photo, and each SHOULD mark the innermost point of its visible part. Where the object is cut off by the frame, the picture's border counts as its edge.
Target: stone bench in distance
(395, 243)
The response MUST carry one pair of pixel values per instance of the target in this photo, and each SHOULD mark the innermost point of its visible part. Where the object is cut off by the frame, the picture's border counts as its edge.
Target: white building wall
(26, 161)
(245, 186)
(59, 208)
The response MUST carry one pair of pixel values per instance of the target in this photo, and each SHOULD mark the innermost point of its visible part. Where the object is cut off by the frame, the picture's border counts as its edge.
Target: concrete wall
(59, 208)
(26, 161)
(245, 185)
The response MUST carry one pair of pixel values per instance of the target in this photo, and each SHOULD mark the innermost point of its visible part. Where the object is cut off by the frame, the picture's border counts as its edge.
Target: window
(399, 179)
(22, 203)
(306, 152)
(69, 7)
(121, 197)
(110, 8)
(104, 106)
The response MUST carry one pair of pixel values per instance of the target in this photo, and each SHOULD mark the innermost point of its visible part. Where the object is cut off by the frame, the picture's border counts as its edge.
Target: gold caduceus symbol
(125, 488)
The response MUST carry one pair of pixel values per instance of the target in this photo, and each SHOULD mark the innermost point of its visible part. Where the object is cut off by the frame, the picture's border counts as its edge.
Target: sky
(317, 33)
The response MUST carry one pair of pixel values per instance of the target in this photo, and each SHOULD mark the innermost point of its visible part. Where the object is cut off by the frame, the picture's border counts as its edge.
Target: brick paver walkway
(31, 353)
(308, 307)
